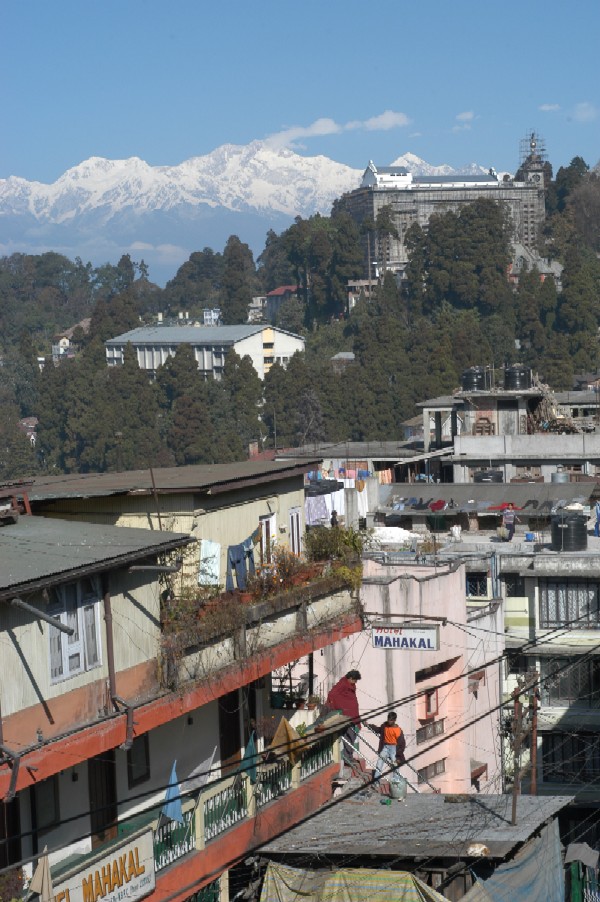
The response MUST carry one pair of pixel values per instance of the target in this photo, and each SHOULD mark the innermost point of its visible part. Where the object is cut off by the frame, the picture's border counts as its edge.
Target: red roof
(283, 289)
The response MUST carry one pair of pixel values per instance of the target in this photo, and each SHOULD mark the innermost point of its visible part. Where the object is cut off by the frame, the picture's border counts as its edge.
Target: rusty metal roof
(425, 825)
(201, 478)
(37, 551)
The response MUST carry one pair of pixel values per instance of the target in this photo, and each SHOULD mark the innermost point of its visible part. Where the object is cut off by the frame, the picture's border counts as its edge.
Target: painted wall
(25, 656)
(390, 676)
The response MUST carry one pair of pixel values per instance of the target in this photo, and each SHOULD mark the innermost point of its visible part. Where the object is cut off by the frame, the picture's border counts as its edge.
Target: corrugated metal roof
(352, 451)
(38, 551)
(201, 478)
(423, 826)
(193, 335)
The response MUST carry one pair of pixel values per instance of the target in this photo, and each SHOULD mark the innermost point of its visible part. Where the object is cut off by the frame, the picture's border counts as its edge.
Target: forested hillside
(456, 309)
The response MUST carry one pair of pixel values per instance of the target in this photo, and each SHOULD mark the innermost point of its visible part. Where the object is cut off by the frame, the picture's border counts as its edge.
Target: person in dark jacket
(392, 744)
(342, 697)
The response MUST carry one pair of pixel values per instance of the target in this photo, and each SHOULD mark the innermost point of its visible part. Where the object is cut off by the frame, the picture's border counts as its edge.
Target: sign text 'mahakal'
(417, 638)
(127, 873)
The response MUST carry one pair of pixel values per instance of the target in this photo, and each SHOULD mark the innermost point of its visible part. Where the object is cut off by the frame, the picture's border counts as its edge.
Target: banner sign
(413, 638)
(126, 872)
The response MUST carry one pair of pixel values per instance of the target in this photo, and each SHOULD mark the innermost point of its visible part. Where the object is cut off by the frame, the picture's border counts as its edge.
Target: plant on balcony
(335, 544)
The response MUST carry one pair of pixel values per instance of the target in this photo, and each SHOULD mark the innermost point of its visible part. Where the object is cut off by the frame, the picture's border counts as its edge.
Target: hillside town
(286, 611)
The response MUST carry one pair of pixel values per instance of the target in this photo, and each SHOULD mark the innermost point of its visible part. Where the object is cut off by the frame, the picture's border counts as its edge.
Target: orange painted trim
(198, 869)
(72, 750)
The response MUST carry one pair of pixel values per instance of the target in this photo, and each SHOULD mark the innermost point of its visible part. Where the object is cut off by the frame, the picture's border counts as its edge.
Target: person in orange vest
(392, 744)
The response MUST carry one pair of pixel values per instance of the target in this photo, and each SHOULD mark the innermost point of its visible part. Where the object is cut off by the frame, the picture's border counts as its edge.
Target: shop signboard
(408, 637)
(122, 874)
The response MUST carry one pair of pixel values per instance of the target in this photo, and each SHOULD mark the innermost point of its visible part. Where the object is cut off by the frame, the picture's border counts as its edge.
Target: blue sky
(453, 82)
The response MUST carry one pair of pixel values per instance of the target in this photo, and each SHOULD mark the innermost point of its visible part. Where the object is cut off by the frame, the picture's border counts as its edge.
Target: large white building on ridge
(153, 345)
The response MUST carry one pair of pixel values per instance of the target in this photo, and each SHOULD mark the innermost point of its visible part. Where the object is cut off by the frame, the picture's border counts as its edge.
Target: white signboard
(124, 874)
(407, 637)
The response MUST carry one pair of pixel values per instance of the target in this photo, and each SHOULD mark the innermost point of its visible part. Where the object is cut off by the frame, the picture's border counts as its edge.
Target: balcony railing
(173, 840)
(273, 781)
(226, 807)
(319, 755)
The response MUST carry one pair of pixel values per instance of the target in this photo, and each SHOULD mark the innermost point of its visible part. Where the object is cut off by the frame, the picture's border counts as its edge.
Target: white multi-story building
(153, 345)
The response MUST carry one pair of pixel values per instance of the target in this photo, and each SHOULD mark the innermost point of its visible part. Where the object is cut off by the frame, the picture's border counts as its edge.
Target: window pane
(92, 656)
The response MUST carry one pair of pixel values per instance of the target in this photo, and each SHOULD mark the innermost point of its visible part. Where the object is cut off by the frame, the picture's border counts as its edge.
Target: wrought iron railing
(173, 840)
(225, 808)
(317, 756)
(273, 780)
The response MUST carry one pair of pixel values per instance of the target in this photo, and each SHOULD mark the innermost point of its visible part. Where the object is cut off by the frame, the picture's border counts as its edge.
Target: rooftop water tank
(476, 378)
(560, 476)
(569, 532)
(517, 378)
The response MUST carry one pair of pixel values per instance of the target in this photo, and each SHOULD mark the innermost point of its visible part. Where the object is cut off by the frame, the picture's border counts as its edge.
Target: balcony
(204, 633)
(218, 809)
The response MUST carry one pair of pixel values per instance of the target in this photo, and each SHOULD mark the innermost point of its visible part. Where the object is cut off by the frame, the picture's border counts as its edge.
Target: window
(514, 585)
(432, 770)
(574, 603)
(44, 801)
(570, 757)
(267, 361)
(565, 681)
(430, 731)
(267, 537)
(477, 585)
(295, 531)
(138, 761)
(77, 605)
(430, 703)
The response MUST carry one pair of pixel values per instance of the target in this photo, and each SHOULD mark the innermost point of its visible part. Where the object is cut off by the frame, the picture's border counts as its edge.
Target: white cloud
(290, 137)
(549, 107)
(385, 121)
(585, 112)
(464, 119)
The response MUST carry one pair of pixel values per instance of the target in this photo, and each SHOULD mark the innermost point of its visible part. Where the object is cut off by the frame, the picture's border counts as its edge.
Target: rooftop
(40, 551)
(423, 826)
(202, 478)
(537, 498)
(193, 335)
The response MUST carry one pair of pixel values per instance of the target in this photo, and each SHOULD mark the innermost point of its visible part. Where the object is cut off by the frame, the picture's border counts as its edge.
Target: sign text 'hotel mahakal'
(418, 638)
(124, 874)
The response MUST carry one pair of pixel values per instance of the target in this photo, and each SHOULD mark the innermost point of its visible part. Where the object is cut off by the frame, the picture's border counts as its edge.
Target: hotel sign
(123, 874)
(406, 637)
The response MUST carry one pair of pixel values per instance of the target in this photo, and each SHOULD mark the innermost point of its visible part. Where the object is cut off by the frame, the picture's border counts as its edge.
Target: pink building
(433, 659)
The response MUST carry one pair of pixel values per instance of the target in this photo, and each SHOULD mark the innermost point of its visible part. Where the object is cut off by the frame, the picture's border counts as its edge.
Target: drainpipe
(110, 649)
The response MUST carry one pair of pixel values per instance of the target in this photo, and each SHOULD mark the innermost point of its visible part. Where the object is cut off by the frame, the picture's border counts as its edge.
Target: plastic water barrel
(569, 532)
(488, 476)
(517, 378)
(476, 378)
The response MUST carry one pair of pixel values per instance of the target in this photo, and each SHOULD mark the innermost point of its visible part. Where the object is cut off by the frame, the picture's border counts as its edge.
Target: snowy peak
(418, 166)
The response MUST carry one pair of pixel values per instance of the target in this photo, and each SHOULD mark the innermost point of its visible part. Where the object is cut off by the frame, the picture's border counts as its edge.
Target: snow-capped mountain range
(103, 208)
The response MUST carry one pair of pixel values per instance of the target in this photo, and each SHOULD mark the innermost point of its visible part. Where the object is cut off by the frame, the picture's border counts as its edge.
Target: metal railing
(273, 780)
(318, 756)
(173, 840)
(226, 807)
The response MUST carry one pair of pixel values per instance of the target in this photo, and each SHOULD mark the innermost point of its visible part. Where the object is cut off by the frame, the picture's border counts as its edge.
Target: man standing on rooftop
(342, 697)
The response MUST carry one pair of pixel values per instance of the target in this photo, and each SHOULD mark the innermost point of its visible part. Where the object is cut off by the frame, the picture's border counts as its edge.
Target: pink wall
(388, 675)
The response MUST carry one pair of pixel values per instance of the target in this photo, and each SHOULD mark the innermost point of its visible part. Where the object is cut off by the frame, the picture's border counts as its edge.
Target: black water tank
(488, 476)
(476, 378)
(517, 378)
(569, 532)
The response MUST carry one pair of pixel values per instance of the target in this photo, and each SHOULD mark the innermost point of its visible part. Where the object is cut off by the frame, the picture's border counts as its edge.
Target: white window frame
(295, 527)
(77, 605)
(268, 536)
